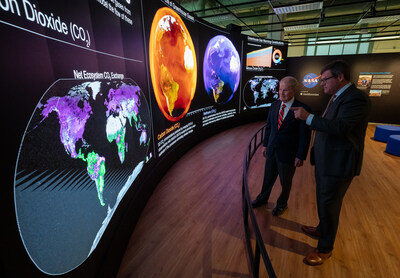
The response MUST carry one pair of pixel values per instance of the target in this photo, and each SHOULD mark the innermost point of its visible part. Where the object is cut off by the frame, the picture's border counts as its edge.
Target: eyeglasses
(325, 79)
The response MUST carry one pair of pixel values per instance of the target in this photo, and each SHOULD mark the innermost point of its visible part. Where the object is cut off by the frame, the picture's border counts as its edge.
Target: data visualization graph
(259, 58)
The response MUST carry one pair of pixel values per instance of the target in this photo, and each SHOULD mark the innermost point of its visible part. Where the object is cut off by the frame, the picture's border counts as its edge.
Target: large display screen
(101, 92)
(84, 127)
(195, 71)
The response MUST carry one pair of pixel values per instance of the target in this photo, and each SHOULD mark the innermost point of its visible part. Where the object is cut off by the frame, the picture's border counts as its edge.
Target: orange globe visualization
(173, 65)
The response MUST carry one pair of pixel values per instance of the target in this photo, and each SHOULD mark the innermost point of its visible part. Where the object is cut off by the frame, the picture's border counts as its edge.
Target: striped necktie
(281, 113)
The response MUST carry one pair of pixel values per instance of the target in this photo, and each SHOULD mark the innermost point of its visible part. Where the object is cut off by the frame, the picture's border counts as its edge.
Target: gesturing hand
(300, 113)
(298, 162)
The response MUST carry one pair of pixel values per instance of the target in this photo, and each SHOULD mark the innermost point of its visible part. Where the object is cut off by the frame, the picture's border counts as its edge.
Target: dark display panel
(102, 96)
(378, 75)
(78, 95)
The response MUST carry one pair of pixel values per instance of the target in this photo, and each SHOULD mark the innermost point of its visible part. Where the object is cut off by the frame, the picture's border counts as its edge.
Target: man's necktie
(329, 104)
(323, 115)
(281, 113)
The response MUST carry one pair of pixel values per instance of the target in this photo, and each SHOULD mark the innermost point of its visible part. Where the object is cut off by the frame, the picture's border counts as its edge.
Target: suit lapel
(335, 104)
(290, 114)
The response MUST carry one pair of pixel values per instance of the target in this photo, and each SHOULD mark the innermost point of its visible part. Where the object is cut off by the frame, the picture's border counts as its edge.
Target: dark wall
(376, 74)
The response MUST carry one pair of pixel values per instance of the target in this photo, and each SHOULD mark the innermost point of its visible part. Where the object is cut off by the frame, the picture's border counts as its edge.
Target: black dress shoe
(278, 210)
(257, 203)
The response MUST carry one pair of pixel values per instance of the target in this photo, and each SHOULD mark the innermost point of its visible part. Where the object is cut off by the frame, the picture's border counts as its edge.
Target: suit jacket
(339, 140)
(293, 137)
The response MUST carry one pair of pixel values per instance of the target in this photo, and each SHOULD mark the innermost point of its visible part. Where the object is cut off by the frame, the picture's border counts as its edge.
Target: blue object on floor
(382, 132)
(393, 145)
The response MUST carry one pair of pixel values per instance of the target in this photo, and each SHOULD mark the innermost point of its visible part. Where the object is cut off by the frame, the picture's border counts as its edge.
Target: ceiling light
(301, 27)
(384, 38)
(299, 8)
(221, 18)
(378, 19)
(332, 41)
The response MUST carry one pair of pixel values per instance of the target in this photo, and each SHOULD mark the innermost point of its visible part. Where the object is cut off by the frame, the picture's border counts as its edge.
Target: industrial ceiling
(304, 22)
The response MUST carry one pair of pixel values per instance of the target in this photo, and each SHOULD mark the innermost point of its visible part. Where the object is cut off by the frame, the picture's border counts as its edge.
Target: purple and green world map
(73, 111)
(84, 146)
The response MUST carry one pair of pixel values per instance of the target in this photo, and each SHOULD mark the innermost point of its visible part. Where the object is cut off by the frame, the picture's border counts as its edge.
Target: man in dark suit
(286, 143)
(337, 150)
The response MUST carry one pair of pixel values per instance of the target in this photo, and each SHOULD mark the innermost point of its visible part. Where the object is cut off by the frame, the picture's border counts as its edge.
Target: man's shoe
(257, 203)
(316, 257)
(311, 231)
(278, 210)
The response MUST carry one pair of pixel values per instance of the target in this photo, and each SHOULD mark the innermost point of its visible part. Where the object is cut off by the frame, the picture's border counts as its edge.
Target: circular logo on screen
(310, 80)
(277, 56)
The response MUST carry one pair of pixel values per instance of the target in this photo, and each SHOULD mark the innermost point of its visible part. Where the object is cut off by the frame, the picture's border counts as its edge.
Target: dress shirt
(287, 108)
(311, 116)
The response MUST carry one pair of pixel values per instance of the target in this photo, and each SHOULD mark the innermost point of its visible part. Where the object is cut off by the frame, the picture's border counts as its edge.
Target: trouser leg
(318, 194)
(331, 191)
(270, 175)
(286, 173)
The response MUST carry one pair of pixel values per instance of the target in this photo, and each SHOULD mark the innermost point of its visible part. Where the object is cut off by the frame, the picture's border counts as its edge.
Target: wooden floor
(192, 225)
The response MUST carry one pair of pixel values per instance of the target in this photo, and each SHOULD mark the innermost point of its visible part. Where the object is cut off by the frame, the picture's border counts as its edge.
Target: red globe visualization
(173, 65)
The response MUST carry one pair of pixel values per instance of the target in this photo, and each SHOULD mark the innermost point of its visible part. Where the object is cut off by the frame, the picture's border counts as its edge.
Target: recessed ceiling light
(378, 19)
(301, 27)
(331, 41)
(221, 18)
(384, 38)
(299, 8)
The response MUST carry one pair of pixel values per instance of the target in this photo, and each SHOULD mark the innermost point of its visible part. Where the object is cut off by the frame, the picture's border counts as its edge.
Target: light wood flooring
(192, 225)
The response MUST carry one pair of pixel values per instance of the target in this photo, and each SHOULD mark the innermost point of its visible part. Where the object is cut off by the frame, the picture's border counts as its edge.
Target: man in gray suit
(286, 143)
(337, 152)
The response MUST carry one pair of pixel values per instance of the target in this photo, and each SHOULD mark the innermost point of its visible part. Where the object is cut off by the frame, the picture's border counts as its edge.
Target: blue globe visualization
(221, 69)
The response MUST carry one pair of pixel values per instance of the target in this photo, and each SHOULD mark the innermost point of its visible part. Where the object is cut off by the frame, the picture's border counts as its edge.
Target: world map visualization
(261, 91)
(173, 64)
(221, 69)
(85, 144)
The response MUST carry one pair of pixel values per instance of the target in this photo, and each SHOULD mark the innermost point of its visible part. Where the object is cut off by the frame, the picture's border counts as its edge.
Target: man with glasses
(337, 152)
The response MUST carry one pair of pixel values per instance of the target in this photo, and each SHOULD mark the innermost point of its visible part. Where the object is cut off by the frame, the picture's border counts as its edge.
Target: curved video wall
(100, 98)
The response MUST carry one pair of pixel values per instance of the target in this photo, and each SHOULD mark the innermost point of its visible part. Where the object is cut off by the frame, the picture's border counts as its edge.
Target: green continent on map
(96, 169)
(119, 137)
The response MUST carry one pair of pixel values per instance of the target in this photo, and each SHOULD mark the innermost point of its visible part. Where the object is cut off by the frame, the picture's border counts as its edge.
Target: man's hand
(300, 113)
(298, 162)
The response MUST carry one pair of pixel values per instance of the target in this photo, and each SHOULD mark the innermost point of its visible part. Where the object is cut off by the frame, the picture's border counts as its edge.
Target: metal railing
(260, 251)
